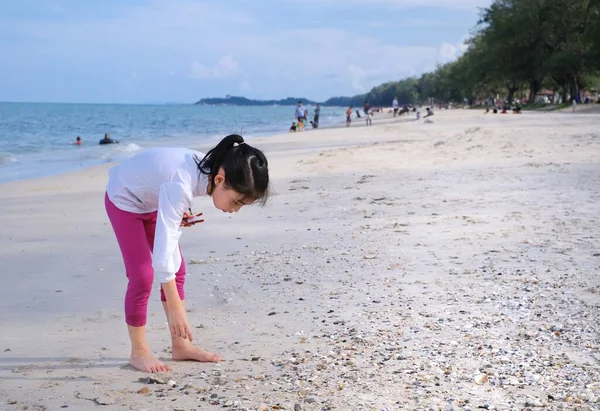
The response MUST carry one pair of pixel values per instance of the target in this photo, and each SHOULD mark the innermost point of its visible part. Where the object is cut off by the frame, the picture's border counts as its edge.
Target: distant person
(78, 141)
(429, 112)
(395, 106)
(348, 116)
(305, 115)
(357, 113)
(148, 201)
(317, 114)
(108, 140)
(293, 128)
(574, 105)
(300, 113)
(369, 118)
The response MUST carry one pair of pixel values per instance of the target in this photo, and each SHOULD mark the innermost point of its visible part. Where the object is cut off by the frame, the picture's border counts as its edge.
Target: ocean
(36, 139)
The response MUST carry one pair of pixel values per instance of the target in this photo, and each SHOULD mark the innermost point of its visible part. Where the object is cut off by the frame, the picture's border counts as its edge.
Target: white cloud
(449, 51)
(328, 60)
(225, 67)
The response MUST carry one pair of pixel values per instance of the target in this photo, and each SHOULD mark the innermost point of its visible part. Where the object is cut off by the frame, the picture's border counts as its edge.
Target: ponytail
(245, 167)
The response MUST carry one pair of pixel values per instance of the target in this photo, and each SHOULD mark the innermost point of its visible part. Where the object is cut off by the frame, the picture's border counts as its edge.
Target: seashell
(481, 379)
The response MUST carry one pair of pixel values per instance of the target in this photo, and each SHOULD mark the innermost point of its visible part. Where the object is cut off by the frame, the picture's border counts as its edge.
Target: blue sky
(141, 51)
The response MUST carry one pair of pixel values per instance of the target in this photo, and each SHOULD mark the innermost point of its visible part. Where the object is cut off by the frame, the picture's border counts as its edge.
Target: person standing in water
(107, 140)
(348, 116)
(317, 114)
(148, 200)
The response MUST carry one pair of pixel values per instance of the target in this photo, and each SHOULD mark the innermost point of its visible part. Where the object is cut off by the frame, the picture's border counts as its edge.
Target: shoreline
(209, 143)
(380, 119)
(37, 140)
(408, 265)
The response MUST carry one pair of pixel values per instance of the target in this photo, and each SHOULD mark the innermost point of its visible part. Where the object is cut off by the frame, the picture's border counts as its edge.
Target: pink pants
(135, 235)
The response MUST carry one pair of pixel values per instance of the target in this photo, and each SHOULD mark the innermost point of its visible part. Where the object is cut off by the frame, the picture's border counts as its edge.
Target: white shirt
(164, 180)
(394, 103)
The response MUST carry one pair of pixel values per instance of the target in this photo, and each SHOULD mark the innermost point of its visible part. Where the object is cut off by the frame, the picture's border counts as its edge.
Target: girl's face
(226, 199)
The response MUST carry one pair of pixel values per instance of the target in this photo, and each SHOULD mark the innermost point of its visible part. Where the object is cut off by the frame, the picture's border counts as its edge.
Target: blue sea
(36, 139)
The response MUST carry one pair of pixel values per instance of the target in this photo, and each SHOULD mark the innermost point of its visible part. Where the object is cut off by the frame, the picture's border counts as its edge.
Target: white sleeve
(173, 200)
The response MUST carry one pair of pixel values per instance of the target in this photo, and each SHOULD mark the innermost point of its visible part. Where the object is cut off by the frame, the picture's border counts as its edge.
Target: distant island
(356, 101)
(243, 101)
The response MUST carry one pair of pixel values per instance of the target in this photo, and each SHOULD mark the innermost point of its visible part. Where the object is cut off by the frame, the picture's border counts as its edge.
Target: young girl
(148, 200)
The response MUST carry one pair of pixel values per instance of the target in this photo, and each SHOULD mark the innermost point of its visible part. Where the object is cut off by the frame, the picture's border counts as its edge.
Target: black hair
(246, 168)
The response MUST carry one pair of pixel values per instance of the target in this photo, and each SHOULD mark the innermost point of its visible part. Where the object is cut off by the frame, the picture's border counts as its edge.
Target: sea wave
(119, 152)
(127, 148)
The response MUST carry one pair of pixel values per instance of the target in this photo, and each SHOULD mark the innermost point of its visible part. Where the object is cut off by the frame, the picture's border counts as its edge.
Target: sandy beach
(446, 264)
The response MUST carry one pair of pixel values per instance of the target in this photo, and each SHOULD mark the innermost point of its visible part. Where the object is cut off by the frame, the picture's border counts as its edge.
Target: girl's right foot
(145, 361)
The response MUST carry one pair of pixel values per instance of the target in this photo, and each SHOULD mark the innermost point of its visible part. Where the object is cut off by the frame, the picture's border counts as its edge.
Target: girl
(148, 200)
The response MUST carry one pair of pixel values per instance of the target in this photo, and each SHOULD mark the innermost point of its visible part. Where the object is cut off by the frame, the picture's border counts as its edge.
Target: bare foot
(184, 350)
(144, 360)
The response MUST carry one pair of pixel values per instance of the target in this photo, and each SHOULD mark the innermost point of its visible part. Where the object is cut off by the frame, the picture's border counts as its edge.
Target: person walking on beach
(300, 114)
(395, 106)
(148, 199)
(369, 118)
(348, 116)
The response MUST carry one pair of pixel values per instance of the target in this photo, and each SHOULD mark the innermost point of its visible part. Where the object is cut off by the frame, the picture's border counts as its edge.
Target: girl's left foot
(183, 350)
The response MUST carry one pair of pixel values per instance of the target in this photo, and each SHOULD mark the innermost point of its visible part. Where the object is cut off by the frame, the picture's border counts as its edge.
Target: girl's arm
(173, 200)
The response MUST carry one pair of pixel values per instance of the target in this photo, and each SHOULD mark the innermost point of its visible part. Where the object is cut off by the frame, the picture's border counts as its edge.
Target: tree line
(517, 49)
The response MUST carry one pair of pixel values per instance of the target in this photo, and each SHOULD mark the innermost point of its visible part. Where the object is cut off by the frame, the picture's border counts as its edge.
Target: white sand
(402, 262)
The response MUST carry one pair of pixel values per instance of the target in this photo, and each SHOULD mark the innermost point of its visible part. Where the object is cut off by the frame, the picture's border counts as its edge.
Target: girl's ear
(219, 178)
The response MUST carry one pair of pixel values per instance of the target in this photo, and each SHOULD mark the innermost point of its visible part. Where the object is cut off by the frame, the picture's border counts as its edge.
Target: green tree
(571, 56)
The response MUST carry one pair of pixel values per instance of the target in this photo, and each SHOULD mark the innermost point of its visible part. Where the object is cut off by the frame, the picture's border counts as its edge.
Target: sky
(178, 51)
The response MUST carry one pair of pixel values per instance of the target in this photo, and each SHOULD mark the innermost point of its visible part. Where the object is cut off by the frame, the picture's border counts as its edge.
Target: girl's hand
(187, 215)
(178, 323)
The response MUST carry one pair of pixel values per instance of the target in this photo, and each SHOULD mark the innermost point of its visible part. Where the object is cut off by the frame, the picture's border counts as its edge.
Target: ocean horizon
(37, 138)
